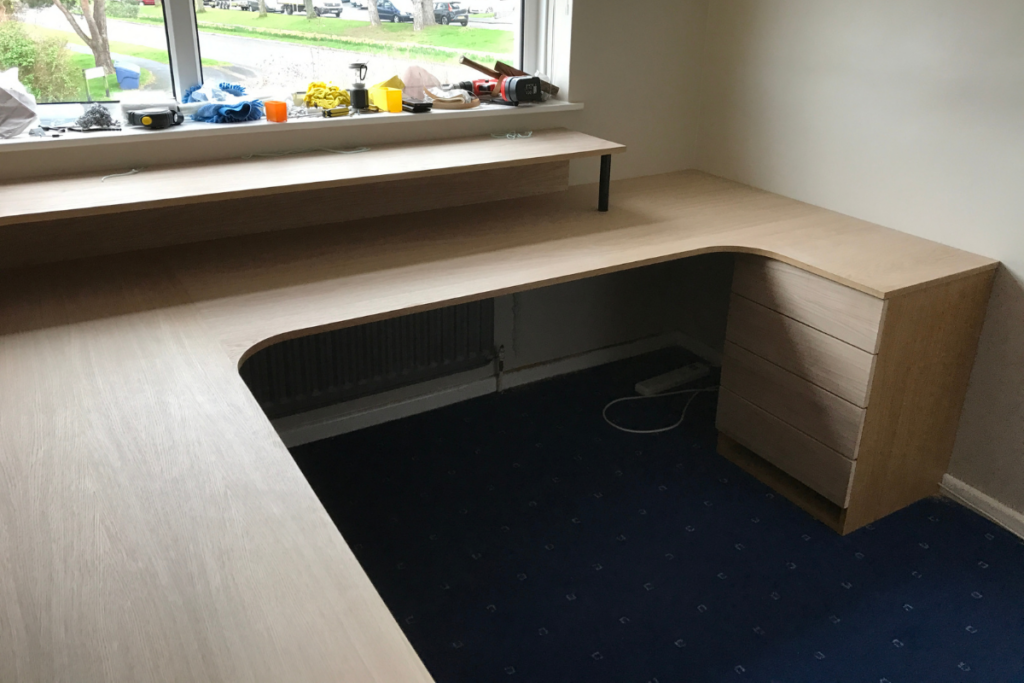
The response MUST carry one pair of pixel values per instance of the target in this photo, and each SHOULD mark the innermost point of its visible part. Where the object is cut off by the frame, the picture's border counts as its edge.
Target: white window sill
(191, 129)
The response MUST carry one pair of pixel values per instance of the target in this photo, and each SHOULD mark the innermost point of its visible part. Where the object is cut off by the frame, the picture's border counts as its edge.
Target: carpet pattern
(517, 537)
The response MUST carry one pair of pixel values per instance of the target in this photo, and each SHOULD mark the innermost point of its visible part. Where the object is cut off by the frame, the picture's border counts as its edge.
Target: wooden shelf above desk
(57, 219)
(66, 197)
(155, 528)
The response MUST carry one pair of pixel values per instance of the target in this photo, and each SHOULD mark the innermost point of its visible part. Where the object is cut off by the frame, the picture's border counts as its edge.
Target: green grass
(96, 89)
(127, 49)
(349, 34)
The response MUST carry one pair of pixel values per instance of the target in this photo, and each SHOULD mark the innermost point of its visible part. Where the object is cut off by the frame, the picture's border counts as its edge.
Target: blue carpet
(517, 537)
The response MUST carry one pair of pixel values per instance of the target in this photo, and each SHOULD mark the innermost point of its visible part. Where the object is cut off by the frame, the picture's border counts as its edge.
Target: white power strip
(671, 380)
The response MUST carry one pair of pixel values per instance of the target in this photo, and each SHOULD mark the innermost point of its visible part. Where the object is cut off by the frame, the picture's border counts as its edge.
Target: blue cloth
(220, 111)
(517, 537)
(229, 113)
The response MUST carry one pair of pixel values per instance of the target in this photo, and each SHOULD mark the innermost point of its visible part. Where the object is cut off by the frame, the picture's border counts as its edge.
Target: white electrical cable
(120, 175)
(513, 135)
(357, 150)
(695, 392)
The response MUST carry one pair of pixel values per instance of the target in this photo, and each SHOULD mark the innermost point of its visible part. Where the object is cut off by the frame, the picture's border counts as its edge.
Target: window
(290, 47)
(79, 51)
(117, 50)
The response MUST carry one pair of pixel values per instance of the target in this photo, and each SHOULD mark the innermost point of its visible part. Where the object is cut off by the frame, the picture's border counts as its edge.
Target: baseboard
(698, 348)
(610, 354)
(984, 505)
(315, 425)
(386, 406)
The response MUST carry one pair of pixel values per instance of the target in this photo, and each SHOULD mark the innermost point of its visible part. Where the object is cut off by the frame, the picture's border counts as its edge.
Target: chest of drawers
(846, 403)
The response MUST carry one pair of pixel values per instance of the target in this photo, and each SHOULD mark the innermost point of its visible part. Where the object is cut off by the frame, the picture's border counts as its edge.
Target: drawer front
(789, 449)
(844, 313)
(831, 420)
(815, 356)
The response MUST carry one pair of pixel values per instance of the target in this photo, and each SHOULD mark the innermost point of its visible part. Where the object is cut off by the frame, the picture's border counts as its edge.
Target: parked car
(389, 12)
(446, 13)
(321, 7)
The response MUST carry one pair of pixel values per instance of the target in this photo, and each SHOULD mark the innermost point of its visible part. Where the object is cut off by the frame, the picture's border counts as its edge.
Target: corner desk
(155, 528)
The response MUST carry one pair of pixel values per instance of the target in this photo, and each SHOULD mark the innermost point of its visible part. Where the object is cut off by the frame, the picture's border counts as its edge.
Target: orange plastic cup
(277, 111)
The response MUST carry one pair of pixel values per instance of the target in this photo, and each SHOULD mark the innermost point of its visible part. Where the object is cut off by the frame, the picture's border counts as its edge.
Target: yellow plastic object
(393, 82)
(387, 96)
(146, 120)
(319, 94)
(394, 100)
(386, 99)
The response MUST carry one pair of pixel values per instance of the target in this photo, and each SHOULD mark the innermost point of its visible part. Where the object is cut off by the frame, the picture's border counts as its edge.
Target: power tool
(482, 87)
(518, 89)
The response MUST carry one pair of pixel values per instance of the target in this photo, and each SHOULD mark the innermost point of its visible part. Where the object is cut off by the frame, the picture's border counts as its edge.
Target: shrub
(44, 67)
(123, 9)
(17, 49)
(54, 78)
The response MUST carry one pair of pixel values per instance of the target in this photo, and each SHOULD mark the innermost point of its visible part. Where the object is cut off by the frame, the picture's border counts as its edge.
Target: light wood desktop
(155, 528)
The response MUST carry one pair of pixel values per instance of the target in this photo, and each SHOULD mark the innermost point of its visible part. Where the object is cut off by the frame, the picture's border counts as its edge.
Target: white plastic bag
(17, 106)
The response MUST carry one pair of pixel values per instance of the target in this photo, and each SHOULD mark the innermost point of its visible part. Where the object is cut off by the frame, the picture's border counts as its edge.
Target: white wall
(908, 113)
(637, 68)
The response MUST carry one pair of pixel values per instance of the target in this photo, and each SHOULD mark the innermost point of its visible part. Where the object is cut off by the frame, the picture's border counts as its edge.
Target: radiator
(311, 372)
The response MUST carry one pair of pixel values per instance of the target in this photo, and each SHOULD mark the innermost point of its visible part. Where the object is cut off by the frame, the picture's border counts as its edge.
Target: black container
(360, 98)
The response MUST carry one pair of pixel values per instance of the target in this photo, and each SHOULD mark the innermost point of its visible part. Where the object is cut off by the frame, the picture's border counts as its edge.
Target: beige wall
(909, 113)
(639, 75)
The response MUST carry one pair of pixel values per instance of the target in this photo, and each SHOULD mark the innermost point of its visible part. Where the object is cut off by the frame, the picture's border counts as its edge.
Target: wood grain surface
(818, 413)
(830, 363)
(166, 186)
(929, 339)
(820, 303)
(73, 238)
(798, 455)
(153, 526)
(271, 287)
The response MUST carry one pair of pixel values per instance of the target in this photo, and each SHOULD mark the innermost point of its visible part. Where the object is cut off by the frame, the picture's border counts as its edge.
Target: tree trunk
(374, 15)
(428, 12)
(96, 39)
(310, 11)
(200, 6)
(99, 12)
(417, 15)
(263, 9)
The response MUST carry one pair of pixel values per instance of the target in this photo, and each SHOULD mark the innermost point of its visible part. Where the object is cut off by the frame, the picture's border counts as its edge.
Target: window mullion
(183, 44)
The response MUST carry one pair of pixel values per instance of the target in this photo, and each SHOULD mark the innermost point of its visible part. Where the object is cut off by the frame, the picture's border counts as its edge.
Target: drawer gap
(799, 494)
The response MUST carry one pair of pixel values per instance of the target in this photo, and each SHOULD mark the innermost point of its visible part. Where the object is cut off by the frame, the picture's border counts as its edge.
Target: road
(354, 14)
(265, 67)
